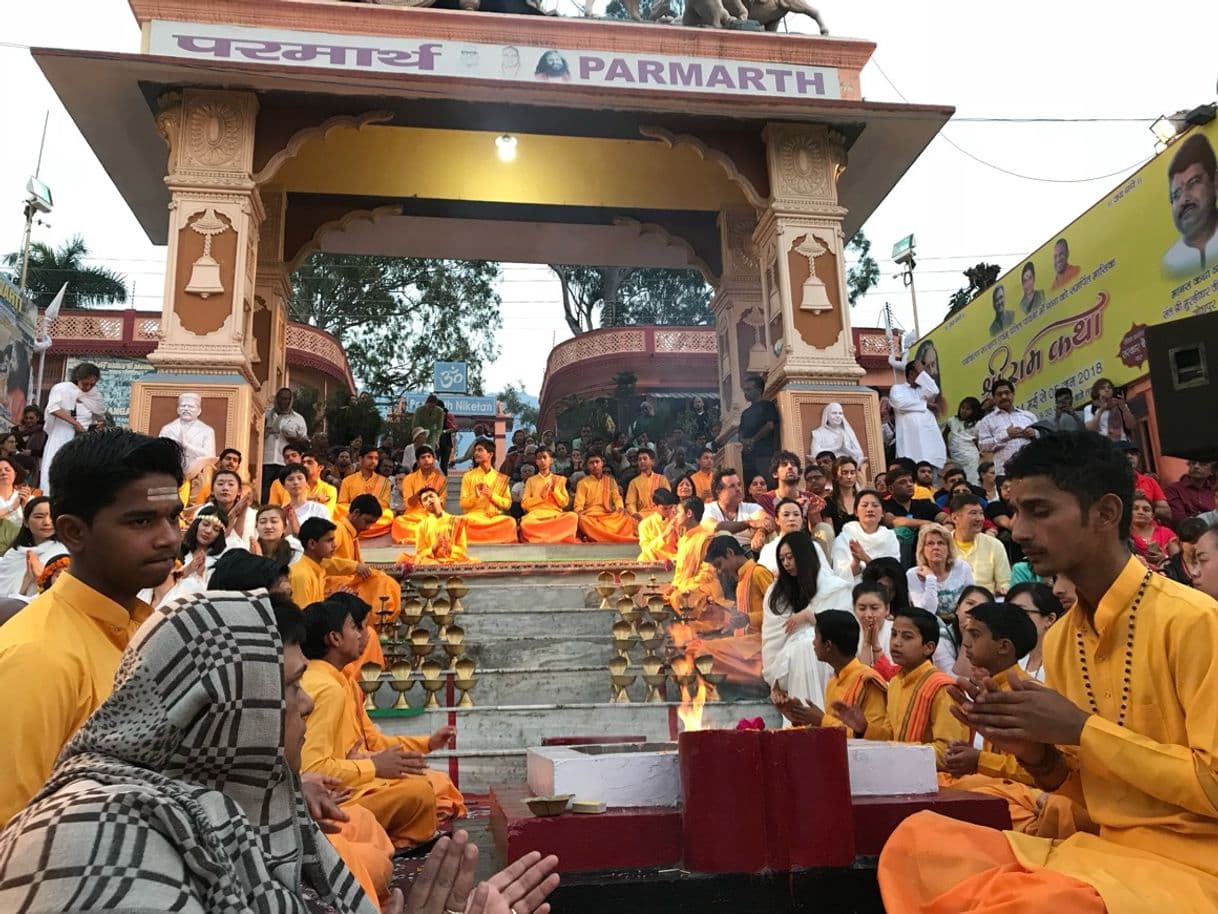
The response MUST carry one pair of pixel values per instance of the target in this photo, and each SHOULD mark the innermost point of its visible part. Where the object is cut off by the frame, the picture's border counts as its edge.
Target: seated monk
(426, 476)
(642, 489)
(440, 537)
(599, 506)
(545, 501)
(1126, 726)
(309, 574)
(485, 496)
(739, 653)
(836, 643)
(366, 481)
(377, 589)
(658, 532)
(996, 636)
(919, 708)
(387, 775)
(694, 582)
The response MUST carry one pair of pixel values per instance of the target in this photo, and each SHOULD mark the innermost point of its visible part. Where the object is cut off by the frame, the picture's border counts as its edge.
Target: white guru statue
(835, 434)
(197, 438)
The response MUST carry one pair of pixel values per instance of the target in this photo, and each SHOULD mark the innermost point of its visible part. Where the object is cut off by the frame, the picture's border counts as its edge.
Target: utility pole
(39, 201)
(903, 254)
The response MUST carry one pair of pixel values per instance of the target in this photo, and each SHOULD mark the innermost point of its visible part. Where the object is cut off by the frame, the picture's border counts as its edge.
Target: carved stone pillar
(272, 289)
(739, 321)
(207, 341)
(807, 319)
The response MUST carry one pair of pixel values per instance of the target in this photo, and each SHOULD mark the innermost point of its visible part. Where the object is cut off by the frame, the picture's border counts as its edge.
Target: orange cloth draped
(547, 520)
(739, 655)
(641, 492)
(696, 581)
(598, 504)
(439, 541)
(367, 851)
(858, 686)
(485, 521)
(406, 524)
(370, 590)
(657, 540)
(377, 486)
(936, 865)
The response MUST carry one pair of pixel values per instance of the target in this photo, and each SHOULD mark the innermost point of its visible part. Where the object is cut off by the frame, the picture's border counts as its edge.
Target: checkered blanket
(175, 795)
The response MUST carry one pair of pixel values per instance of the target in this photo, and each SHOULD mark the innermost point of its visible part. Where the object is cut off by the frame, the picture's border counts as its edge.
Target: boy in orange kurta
(439, 537)
(599, 506)
(485, 496)
(366, 481)
(694, 582)
(386, 775)
(640, 492)
(425, 476)
(370, 587)
(739, 653)
(658, 533)
(545, 502)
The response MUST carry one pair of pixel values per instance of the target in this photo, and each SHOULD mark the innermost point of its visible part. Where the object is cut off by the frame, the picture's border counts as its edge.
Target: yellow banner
(1078, 308)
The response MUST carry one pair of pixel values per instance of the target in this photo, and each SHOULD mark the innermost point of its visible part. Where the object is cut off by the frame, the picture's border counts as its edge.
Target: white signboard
(505, 63)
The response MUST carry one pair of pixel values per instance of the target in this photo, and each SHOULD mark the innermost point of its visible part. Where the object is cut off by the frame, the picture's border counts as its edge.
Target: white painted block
(616, 778)
(886, 769)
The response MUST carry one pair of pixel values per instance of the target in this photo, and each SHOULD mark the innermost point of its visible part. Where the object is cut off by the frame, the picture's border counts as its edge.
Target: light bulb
(505, 145)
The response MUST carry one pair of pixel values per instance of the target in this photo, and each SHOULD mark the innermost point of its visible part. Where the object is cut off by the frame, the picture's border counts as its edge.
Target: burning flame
(681, 634)
(690, 711)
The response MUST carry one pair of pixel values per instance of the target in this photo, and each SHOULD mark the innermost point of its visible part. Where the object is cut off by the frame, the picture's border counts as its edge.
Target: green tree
(632, 295)
(865, 273)
(980, 277)
(514, 404)
(395, 317)
(50, 268)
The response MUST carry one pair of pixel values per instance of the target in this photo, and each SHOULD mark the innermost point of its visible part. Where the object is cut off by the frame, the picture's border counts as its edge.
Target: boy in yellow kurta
(370, 588)
(366, 481)
(739, 653)
(425, 476)
(599, 506)
(386, 775)
(545, 501)
(59, 654)
(694, 582)
(853, 684)
(658, 533)
(440, 537)
(316, 488)
(485, 495)
(640, 492)
(919, 707)
(278, 495)
(1125, 726)
(704, 478)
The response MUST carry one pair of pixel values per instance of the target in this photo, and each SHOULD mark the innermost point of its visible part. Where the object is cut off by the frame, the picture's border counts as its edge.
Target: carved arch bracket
(671, 240)
(322, 131)
(708, 154)
(339, 225)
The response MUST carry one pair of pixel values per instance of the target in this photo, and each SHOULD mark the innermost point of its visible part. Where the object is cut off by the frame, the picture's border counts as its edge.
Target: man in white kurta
(62, 424)
(918, 434)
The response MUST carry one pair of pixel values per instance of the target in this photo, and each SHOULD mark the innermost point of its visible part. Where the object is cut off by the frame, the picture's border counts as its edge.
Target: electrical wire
(1006, 171)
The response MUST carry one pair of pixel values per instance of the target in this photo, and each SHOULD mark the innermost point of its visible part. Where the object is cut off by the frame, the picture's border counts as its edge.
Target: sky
(1056, 93)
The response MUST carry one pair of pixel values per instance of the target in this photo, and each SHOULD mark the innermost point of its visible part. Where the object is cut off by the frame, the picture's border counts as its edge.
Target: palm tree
(88, 286)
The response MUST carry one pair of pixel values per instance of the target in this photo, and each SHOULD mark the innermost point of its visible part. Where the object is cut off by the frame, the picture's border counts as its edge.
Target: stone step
(383, 549)
(513, 728)
(542, 652)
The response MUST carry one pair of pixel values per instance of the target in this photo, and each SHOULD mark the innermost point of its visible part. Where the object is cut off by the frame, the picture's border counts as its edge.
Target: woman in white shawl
(788, 661)
(66, 415)
(21, 565)
(864, 539)
(202, 543)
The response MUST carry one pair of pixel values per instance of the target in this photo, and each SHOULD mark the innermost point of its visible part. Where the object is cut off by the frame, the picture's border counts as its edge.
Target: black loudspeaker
(1184, 378)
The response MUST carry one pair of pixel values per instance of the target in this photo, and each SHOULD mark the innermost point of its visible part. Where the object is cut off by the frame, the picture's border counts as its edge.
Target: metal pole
(913, 294)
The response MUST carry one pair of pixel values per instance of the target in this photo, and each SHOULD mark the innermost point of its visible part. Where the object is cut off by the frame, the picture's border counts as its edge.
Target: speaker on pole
(1184, 376)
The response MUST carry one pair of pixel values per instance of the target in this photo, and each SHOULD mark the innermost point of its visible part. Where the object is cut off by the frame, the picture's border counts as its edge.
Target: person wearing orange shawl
(694, 582)
(485, 495)
(658, 532)
(739, 653)
(599, 506)
(366, 481)
(642, 489)
(440, 537)
(426, 476)
(1126, 724)
(377, 589)
(996, 636)
(704, 478)
(919, 707)
(545, 501)
(387, 775)
(854, 685)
